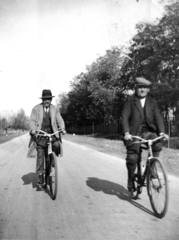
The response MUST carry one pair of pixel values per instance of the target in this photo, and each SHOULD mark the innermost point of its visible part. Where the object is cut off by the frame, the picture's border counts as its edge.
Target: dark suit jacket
(132, 115)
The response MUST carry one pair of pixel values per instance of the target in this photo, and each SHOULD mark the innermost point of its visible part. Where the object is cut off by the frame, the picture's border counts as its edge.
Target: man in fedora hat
(140, 116)
(45, 116)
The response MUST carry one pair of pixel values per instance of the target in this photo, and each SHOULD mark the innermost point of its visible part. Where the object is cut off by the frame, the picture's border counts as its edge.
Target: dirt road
(92, 201)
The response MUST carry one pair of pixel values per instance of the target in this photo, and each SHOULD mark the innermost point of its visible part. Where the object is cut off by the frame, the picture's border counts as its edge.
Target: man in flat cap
(140, 117)
(45, 116)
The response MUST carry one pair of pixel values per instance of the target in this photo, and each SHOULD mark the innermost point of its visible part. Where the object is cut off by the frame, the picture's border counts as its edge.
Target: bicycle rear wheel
(53, 176)
(157, 186)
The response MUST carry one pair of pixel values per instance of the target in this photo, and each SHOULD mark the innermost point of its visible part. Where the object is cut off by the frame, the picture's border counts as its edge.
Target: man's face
(46, 102)
(142, 91)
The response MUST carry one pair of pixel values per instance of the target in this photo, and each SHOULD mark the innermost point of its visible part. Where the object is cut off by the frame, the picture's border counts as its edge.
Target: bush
(173, 143)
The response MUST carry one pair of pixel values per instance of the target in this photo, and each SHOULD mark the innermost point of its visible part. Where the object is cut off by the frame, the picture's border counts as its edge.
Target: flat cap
(142, 81)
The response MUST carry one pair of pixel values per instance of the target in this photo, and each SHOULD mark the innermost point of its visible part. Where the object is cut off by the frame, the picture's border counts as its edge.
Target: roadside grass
(11, 135)
(169, 157)
(114, 147)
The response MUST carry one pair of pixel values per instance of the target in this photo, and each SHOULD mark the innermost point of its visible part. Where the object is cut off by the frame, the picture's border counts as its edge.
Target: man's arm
(125, 116)
(159, 120)
(33, 121)
(59, 120)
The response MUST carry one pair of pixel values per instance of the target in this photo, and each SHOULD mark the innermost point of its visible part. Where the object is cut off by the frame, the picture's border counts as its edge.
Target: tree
(98, 94)
(4, 123)
(91, 99)
(20, 121)
(154, 54)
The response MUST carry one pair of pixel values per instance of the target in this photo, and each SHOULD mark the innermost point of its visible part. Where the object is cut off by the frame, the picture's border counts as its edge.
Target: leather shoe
(131, 195)
(130, 185)
(40, 181)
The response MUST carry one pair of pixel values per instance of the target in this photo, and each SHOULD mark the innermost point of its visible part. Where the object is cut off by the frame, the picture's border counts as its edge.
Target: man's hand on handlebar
(33, 132)
(164, 135)
(62, 130)
(127, 136)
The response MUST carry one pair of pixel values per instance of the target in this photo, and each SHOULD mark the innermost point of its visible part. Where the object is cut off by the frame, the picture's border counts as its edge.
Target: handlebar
(45, 134)
(149, 141)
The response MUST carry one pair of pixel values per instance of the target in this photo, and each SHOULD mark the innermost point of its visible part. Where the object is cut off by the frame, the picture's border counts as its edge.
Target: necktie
(46, 110)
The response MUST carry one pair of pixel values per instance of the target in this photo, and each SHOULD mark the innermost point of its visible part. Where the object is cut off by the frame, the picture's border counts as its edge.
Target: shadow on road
(31, 178)
(114, 189)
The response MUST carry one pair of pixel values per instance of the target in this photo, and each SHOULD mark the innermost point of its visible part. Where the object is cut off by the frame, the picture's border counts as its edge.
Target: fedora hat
(46, 94)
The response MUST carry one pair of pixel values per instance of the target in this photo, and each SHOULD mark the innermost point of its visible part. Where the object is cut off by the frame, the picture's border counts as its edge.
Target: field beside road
(170, 157)
(11, 134)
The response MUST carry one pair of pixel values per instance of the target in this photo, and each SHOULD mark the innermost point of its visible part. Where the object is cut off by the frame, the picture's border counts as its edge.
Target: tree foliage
(92, 96)
(98, 94)
(15, 121)
(154, 53)
(21, 121)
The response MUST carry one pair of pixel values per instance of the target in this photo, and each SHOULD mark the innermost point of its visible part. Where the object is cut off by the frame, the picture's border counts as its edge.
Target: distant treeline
(14, 121)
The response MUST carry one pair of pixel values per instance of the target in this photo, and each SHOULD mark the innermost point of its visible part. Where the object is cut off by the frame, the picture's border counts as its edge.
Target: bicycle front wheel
(157, 186)
(53, 177)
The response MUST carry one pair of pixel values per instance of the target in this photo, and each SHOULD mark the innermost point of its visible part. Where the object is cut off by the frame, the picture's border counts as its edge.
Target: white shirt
(46, 110)
(142, 100)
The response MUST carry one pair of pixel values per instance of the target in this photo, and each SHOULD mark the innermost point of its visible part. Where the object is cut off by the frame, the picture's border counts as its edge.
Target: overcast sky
(44, 44)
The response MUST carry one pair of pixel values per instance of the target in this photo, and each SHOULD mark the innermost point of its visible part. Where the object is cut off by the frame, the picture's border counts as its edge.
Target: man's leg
(131, 163)
(133, 153)
(40, 162)
(157, 146)
(56, 147)
(156, 149)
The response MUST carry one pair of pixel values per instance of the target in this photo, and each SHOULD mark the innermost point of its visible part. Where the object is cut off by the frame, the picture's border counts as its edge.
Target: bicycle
(155, 176)
(50, 171)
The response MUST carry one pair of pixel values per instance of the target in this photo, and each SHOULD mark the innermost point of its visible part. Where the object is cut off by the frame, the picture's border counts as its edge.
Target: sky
(44, 44)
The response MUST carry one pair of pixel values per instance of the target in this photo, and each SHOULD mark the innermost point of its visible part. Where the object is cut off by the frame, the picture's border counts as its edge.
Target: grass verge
(169, 157)
(10, 136)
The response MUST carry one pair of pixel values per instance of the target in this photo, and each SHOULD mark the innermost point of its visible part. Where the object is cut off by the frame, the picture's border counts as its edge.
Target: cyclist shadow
(31, 178)
(114, 189)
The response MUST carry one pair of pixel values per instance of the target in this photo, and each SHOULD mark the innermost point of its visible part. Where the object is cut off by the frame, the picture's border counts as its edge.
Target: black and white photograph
(89, 119)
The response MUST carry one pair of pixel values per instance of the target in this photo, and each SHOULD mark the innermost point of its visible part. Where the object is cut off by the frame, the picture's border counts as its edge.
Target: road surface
(92, 201)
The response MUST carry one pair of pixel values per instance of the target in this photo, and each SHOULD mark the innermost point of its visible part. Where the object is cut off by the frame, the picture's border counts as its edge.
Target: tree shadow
(114, 189)
(31, 178)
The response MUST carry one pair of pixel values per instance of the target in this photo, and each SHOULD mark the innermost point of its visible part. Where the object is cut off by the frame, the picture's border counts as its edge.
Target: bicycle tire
(45, 172)
(53, 176)
(157, 186)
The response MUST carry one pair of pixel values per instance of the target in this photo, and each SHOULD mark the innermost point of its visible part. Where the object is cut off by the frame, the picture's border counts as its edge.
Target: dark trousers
(41, 148)
(134, 152)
